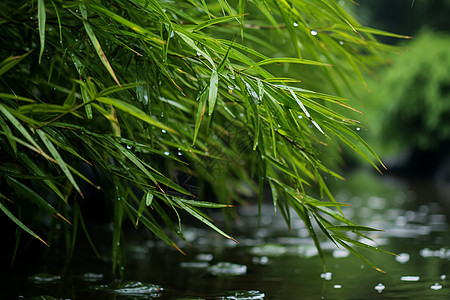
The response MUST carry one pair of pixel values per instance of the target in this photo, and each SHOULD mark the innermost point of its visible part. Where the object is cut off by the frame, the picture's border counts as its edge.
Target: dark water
(272, 262)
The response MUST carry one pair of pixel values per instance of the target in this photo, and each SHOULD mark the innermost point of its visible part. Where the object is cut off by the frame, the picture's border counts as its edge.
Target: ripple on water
(44, 278)
(227, 269)
(92, 277)
(436, 286)
(133, 288)
(243, 295)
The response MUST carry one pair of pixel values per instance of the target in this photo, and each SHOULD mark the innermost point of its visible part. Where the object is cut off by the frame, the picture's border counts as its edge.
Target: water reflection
(272, 262)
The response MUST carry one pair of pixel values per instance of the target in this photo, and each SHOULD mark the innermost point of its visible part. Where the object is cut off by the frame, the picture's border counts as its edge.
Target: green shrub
(410, 106)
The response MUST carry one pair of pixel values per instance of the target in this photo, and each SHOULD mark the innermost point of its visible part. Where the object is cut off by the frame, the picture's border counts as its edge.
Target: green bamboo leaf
(242, 14)
(41, 23)
(225, 58)
(117, 89)
(357, 254)
(86, 99)
(9, 63)
(20, 224)
(200, 113)
(16, 98)
(214, 21)
(290, 60)
(197, 215)
(305, 111)
(155, 229)
(135, 161)
(62, 164)
(380, 32)
(96, 43)
(361, 244)
(18, 126)
(29, 163)
(213, 87)
(191, 43)
(34, 197)
(134, 111)
(204, 204)
(8, 133)
(133, 26)
(353, 228)
(59, 21)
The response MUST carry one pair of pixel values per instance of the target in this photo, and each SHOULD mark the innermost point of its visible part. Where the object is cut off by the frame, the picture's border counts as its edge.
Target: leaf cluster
(230, 93)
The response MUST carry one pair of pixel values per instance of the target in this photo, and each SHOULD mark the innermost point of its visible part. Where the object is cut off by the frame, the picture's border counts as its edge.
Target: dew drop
(300, 117)
(163, 131)
(129, 147)
(443, 276)
(410, 278)
(166, 153)
(358, 129)
(436, 286)
(172, 33)
(180, 153)
(295, 24)
(402, 258)
(313, 32)
(337, 286)
(380, 287)
(326, 275)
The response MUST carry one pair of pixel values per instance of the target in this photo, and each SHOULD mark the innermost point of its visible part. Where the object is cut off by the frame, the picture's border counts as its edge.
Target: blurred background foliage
(146, 113)
(407, 103)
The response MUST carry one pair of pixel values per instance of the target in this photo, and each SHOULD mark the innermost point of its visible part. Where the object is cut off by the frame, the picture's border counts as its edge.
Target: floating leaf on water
(227, 269)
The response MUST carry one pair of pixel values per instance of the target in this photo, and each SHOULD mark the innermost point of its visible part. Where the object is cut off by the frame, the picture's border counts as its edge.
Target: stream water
(271, 262)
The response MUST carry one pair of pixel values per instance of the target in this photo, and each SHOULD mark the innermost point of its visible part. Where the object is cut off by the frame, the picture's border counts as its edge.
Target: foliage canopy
(237, 94)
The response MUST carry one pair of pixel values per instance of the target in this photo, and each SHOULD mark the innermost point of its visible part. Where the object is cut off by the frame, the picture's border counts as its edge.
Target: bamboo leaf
(9, 63)
(213, 87)
(197, 215)
(214, 21)
(353, 228)
(134, 111)
(96, 44)
(62, 164)
(20, 224)
(41, 23)
(290, 60)
(204, 204)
